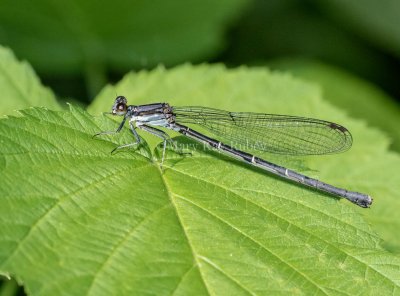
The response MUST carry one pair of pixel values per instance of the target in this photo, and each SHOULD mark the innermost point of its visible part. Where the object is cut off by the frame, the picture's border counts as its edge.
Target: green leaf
(358, 97)
(368, 167)
(83, 36)
(78, 220)
(20, 87)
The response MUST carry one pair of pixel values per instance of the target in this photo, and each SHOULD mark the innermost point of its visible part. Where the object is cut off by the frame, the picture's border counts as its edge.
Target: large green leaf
(77, 220)
(260, 91)
(20, 87)
(88, 36)
(358, 97)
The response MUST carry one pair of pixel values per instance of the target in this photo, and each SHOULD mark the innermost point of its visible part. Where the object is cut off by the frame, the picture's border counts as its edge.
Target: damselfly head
(120, 106)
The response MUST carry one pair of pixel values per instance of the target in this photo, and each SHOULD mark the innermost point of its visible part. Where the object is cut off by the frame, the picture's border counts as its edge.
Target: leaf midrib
(283, 219)
(168, 190)
(257, 243)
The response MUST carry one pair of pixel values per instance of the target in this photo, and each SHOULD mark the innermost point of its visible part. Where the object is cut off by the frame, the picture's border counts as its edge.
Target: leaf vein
(58, 203)
(257, 243)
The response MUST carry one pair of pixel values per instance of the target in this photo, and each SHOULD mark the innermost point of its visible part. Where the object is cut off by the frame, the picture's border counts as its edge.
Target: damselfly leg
(111, 132)
(166, 139)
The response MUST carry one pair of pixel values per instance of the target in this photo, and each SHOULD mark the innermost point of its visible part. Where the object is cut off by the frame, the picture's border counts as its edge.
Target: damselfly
(281, 134)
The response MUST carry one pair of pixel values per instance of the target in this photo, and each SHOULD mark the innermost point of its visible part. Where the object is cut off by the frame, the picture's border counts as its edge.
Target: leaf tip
(5, 274)
(71, 107)
(19, 112)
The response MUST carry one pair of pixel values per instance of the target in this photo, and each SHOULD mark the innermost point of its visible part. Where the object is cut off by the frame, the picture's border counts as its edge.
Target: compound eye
(121, 107)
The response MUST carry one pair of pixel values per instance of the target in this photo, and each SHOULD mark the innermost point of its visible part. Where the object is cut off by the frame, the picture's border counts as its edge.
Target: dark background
(79, 46)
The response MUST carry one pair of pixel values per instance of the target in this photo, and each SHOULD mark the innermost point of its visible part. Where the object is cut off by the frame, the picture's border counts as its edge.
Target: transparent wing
(282, 134)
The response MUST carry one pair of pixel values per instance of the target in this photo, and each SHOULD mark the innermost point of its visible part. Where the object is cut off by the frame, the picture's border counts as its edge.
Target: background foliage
(70, 221)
